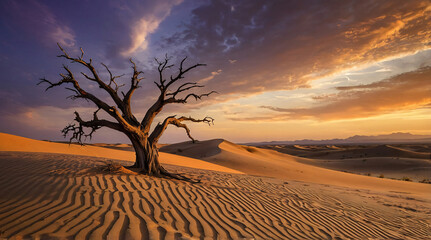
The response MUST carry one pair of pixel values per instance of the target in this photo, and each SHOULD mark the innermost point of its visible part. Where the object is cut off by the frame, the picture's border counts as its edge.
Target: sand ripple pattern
(56, 196)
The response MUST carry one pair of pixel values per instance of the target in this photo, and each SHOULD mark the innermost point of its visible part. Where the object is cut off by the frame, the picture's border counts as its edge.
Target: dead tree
(143, 141)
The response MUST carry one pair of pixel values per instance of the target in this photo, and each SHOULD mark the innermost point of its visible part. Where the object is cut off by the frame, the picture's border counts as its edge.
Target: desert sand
(396, 161)
(264, 162)
(16, 143)
(53, 190)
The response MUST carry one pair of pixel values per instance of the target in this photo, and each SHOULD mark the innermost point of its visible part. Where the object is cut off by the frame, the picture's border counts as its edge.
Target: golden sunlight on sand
(53, 190)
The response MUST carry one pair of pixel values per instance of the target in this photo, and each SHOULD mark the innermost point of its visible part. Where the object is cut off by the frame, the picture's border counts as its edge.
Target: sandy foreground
(52, 190)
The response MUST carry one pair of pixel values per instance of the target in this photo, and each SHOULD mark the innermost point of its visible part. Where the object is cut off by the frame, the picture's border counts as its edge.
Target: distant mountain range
(398, 137)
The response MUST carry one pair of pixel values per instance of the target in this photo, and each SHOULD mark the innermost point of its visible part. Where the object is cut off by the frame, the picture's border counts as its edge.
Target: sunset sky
(284, 70)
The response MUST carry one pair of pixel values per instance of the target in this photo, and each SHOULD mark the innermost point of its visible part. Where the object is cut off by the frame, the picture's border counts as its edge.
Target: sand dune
(15, 143)
(388, 167)
(418, 148)
(376, 151)
(269, 163)
(333, 147)
(354, 151)
(64, 196)
(301, 147)
(402, 161)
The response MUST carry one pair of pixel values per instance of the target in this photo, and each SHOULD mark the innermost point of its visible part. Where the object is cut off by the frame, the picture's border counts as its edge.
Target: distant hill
(398, 137)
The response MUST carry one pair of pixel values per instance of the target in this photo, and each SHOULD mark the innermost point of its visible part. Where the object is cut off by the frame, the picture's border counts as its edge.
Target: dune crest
(269, 163)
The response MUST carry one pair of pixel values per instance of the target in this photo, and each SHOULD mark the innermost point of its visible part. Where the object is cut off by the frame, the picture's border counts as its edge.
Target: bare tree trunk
(147, 160)
(147, 157)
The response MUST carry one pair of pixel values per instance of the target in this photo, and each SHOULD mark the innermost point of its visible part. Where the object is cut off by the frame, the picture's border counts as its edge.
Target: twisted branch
(161, 127)
(112, 79)
(95, 76)
(79, 92)
(77, 129)
(164, 84)
(134, 84)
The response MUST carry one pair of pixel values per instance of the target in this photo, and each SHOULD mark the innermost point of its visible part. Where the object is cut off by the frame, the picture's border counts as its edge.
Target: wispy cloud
(139, 34)
(213, 74)
(146, 25)
(63, 35)
(40, 23)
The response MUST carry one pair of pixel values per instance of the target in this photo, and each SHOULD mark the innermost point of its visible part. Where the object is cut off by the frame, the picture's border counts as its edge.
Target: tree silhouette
(143, 140)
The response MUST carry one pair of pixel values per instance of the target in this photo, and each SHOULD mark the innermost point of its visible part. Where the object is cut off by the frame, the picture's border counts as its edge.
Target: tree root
(163, 173)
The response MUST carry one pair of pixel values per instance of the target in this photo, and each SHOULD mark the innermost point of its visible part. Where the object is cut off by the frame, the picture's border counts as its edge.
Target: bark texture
(143, 141)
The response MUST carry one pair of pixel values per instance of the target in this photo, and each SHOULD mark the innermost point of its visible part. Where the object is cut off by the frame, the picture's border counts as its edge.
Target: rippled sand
(46, 195)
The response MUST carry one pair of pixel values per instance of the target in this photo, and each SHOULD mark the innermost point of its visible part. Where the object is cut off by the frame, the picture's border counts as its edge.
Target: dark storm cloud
(275, 45)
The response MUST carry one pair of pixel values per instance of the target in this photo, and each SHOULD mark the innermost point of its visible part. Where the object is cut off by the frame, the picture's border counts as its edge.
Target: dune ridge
(21, 144)
(377, 151)
(353, 151)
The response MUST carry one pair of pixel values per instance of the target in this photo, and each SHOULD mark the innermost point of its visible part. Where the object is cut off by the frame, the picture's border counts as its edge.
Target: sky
(283, 70)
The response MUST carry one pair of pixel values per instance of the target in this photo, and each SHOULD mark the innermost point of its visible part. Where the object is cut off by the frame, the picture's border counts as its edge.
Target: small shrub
(406, 179)
(425, 180)
(179, 150)
(381, 176)
(368, 174)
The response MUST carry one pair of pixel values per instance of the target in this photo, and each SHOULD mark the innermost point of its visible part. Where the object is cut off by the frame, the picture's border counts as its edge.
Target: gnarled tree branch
(161, 127)
(81, 93)
(184, 100)
(112, 79)
(95, 76)
(134, 84)
(163, 85)
(77, 130)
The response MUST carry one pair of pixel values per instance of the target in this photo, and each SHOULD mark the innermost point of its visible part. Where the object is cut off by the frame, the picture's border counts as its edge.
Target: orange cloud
(284, 53)
(405, 91)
